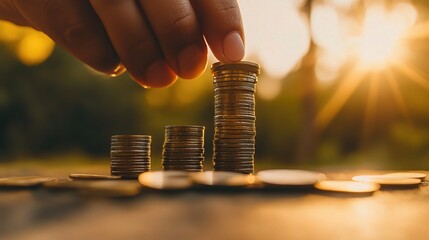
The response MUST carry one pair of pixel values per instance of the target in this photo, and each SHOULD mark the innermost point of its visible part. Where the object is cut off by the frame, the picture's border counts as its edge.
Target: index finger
(222, 27)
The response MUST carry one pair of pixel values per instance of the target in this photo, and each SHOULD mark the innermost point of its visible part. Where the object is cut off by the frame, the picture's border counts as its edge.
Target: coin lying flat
(28, 181)
(290, 177)
(421, 176)
(223, 179)
(347, 186)
(112, 188)
(166, 180)
(388, 181)
(85, 176)
(65, 184)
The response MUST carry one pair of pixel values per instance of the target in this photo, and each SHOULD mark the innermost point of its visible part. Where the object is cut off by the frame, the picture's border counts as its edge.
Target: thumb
(222, 27)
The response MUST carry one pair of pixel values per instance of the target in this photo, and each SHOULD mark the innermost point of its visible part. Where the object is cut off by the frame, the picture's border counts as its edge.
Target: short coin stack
(183, 148)
(130, 155)
(235, 130)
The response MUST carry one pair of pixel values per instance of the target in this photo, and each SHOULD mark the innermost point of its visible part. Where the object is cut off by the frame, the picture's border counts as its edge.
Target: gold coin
(85, 176)
(166, 180)
(28, 181)
(112, 188)
(347, 186)
(223, 179)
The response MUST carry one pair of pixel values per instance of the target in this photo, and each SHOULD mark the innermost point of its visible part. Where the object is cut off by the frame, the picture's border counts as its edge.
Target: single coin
(131, 158)
(388, 181)
(139, 163)
(189, 149)
(166, 180)
(130, 168)
(65, 184)
(130, 176)
(86, 176)
(126, 173)
(27, 181)
(242, 171)
(347, 186)
(139, 143)
(235, 150)
(421, 176)
(239, 89)
(184, 128)
(289, 177)
(223, 179)
(183, 144)
(111, 188)
(131, 136)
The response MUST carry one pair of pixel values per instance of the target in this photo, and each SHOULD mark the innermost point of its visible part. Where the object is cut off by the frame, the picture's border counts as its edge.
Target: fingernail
(119, 70)
(233, 47)
(158, 74)
(191, 61)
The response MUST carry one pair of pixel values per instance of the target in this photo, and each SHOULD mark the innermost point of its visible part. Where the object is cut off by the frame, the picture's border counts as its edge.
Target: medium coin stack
(234, 130)
(130, 155)
(183, 148)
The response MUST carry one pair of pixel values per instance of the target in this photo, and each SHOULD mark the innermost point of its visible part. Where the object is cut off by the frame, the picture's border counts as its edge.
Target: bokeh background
(343, 84)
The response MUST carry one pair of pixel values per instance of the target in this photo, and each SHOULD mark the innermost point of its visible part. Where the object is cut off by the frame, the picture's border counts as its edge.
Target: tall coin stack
(183, 148)
(130, 155)
(234, 130)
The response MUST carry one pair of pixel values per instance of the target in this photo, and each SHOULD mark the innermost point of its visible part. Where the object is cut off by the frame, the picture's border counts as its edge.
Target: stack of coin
(130, 155)
(183, 148)
(235, 130)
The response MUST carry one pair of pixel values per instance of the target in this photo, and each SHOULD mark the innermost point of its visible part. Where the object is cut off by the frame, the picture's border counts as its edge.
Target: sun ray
(419, 31)
(413, 74)
(371, 105)
(397, 94)
(340, 97)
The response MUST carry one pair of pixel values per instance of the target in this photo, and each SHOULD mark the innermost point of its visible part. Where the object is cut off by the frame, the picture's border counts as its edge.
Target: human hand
(154, 40)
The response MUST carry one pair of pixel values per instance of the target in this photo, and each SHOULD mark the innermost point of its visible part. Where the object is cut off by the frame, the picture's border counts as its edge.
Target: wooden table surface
(43, 214)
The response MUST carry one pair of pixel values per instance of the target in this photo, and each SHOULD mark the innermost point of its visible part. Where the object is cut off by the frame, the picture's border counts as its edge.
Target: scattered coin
(347, 186)
(290, 177)
(85, 176)
(223, 179)
(388, 181)
(112, 188)
(166, 180)
(421, 176)
(22, 182)
(65, 184)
